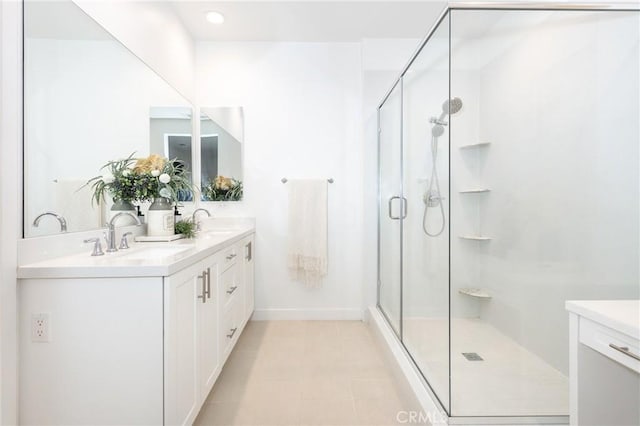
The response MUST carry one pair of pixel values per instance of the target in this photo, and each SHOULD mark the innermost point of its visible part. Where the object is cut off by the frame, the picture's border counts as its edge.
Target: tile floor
(306, 373)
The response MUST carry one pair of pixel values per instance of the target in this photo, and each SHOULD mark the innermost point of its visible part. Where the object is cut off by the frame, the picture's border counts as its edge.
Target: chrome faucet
(111, 228)
(193, 218)
(63, 222)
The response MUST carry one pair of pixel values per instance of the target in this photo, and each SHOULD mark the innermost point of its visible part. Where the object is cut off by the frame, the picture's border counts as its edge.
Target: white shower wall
(559, 102)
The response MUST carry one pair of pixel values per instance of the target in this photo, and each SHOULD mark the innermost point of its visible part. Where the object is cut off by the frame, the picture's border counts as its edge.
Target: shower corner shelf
(474, 190)
(475, 237)
(475, 145)
(475, 292)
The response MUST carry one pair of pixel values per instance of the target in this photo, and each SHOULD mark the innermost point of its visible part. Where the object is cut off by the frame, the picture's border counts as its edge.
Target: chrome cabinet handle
(203, 296)
(232, 289)
(233, 331)
(248, 251)
(395, 197)
(625, 350)
(231, 256)
(208, 283)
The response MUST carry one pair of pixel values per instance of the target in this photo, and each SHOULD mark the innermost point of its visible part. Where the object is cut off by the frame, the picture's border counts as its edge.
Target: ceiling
(309, 21)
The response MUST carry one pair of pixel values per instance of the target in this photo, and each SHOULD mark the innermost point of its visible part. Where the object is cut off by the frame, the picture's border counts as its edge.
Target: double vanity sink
(137, 336)
(142, 258)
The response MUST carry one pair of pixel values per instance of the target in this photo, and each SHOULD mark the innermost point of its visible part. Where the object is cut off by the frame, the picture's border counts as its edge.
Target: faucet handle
(97, 247)
(124, 244)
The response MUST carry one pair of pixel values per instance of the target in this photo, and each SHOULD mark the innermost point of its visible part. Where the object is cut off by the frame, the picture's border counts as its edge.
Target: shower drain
(472, 356)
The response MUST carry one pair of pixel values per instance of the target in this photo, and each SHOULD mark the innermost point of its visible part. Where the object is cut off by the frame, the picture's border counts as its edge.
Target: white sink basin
(156, 252)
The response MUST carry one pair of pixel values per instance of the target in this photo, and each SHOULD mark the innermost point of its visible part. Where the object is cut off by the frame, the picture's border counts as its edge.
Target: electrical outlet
(40, 328)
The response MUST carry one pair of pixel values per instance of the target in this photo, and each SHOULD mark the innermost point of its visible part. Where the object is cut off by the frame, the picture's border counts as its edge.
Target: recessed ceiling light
(215, 17)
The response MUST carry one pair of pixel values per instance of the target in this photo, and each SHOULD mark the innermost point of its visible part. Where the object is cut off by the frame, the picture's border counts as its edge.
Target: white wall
(10, 199)
(154, 33)
(302, 107)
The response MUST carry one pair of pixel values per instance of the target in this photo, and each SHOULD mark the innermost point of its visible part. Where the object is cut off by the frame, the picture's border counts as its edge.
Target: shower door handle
(405, 208)
(395, 197)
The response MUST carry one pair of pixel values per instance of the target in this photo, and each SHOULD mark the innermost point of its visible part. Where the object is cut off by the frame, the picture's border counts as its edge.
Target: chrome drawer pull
(208, 283)
(233, 331)
(232, 289)
(231, 256)
(624, 350)
(204, 286)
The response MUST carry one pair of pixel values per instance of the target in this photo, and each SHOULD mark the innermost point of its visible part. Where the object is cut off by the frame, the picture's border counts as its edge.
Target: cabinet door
(208, 329)
(183, 292)
(248, 276)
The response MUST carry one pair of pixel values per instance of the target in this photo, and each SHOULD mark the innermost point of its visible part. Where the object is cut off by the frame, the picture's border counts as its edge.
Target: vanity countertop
(620, 315)
(143, 259)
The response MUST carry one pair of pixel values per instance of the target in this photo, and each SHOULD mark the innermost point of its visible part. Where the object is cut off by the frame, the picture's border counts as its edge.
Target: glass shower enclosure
(509, 183)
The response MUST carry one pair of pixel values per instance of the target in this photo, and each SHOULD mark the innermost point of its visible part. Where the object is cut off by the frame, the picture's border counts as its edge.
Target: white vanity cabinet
(604, 362)
(248, 269)
(130, 349)
(191, 348)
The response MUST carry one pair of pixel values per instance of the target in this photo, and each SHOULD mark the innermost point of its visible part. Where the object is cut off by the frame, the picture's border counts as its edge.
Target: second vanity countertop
(143, 259)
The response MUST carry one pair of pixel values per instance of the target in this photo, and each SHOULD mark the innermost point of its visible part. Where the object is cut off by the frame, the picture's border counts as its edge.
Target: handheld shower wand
(433, 197)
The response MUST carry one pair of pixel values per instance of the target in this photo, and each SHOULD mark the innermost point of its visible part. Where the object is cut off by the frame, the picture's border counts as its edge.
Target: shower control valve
(432, 199)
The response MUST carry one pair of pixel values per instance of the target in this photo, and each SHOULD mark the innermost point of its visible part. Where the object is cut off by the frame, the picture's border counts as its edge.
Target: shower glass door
(390, 206)
(425, 230)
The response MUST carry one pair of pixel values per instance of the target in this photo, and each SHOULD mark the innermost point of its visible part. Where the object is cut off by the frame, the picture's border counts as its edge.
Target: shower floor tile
(509, 381)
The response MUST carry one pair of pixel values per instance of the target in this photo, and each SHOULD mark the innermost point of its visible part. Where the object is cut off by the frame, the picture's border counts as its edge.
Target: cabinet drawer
(229, 256)
(230, 330)
(230, 286)
(613, 344)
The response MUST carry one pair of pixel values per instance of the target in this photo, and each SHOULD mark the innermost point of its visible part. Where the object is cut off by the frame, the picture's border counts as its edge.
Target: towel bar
(285, 180)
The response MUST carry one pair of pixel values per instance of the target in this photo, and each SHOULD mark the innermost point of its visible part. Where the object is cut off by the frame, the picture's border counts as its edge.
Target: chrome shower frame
(452, 6)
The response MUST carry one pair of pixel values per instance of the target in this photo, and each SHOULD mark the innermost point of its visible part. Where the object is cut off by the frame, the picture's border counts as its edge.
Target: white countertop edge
(620, 315)
(44, 270)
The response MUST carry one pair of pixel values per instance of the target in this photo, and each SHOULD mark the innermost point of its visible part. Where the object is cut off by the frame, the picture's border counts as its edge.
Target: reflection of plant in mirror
(157, 177)
(223, 189)
(119, 181)
(185, 227)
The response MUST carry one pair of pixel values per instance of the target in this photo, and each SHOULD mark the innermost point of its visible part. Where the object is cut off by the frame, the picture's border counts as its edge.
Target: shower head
(451, 106)
(437, 130)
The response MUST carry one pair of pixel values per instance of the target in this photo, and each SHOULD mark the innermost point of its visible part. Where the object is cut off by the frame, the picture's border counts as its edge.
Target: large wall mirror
(87, 100)
(221, 148)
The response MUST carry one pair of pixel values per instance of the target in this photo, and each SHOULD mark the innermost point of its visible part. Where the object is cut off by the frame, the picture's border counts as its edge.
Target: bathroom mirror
(87, 100)
(221, 142)
(171, 136)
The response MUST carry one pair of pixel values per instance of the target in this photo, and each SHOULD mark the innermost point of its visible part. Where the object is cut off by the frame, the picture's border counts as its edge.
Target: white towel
(307, 255)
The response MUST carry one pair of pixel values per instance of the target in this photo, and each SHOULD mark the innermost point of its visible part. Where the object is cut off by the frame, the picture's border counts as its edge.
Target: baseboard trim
(307, 314)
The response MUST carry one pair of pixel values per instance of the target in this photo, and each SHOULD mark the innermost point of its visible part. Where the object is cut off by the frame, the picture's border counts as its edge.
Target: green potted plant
(160, 181)
(222, 189)
(117, 182)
